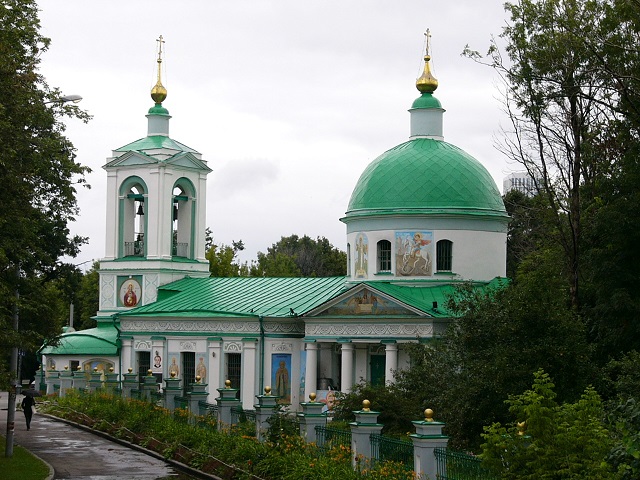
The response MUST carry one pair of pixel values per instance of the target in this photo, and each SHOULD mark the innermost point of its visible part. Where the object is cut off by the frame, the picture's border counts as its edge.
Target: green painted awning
(101, 340)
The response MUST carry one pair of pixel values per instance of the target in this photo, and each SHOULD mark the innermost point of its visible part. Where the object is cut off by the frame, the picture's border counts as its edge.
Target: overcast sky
(288, 101)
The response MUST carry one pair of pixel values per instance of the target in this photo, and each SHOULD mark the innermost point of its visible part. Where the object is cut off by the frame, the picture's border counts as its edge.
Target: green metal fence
(238, 415)
(459, 466)
(328, 438)
(385, 449)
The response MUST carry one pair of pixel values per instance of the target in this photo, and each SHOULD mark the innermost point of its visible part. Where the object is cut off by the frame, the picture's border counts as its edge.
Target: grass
(22, 465)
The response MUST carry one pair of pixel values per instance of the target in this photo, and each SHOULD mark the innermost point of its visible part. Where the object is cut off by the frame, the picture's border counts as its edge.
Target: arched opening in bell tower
(182, 218)
(133, 219)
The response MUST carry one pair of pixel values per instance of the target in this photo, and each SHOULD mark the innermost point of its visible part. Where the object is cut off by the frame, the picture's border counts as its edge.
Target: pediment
(130, 159)
(187, 160)
(363, 300)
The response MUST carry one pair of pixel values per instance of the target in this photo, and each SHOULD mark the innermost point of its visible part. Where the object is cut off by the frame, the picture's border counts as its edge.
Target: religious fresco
(362, 255)
(281, 377)
(129, 291)
(365, 302)
(414, 254)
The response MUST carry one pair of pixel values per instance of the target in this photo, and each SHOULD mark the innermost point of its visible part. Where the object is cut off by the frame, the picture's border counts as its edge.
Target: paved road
(80, 455)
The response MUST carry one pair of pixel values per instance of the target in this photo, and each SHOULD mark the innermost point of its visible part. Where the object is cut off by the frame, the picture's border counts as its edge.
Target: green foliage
(567, 441)
(219, 453)
(397, 407)
(87, 298)
(295, 256)
(39, 178)
(625, 424)
(22, 466)
(500, 338)
(223, 260)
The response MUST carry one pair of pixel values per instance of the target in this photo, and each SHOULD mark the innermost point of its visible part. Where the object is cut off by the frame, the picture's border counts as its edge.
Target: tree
(295, 256)
(39, 178)
(499, 338)
(87, 298)
(223, 260)
(550, 440)
(566, 80)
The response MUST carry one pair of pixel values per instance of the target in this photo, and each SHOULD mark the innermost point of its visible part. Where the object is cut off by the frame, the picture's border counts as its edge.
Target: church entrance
(377, 369)
(144, 364)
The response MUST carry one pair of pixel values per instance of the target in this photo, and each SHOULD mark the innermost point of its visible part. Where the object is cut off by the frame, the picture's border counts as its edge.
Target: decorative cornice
(407, 330)
(209, 326)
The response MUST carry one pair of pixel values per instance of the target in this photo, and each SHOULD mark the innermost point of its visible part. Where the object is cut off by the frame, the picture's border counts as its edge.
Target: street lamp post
(14, 388)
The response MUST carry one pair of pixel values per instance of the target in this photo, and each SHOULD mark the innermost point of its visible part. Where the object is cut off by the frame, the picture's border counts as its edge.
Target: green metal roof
(241, 296)
(426, 100)
(155, 142)
(101, 340)
(422, 296)
(425, 176)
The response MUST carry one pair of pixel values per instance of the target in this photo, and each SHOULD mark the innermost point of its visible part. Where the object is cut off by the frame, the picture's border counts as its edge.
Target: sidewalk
(80, 455)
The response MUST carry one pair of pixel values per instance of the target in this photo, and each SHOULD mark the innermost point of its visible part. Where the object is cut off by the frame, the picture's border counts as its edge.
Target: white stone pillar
(249, 370)
(311, 371)
(391, 362)
(214, 350)
(127, 354)
(346, 372)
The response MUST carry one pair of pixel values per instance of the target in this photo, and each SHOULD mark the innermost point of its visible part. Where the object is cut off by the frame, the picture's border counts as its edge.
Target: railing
(181, 402)
(238, 415)
(328, 438)
(208, 409)
(180, 250)
(134, 249)
(385, 449)
(459, 466)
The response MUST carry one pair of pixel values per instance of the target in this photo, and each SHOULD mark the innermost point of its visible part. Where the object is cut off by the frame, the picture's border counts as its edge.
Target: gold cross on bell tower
(158, 92)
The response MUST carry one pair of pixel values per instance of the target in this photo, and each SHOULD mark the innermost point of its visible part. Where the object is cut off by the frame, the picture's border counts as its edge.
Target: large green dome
(425, 176)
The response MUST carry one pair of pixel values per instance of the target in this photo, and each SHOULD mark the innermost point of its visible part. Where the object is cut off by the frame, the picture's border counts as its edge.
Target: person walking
(28, 402)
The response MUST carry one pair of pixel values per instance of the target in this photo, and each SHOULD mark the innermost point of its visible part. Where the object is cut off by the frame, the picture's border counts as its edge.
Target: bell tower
(156, 212)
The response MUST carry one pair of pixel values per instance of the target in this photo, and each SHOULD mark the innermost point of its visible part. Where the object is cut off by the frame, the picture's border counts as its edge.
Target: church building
(424, 217)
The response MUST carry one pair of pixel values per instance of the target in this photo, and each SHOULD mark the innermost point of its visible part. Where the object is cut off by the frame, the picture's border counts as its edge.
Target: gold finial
(198, 378)
(428, 415)
(227, 384)
(79, 368)
(427, 82)
(95, 369)
(312, 397)
(149, 372)
(521, 427)
(158, 92)
(366, 405)
(66, 367)
(130, 369)
(110, 369)
(173, 374)
(267, 390)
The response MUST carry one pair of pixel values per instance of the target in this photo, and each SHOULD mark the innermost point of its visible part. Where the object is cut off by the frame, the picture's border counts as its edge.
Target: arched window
(132, 217)
(384, 256)
(444, 255)
(182, 218)
(348, 259)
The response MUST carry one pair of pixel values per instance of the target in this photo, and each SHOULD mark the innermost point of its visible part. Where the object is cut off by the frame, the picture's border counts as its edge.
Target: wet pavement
(81, 455)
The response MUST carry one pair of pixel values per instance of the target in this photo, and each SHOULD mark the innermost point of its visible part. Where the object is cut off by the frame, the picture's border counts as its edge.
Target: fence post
(265, 408)
(52, 379)
(130, 383)
(171, 391)
(427, 438)
(198, 392)
(113, 381)
(366, 423)
(95, 383)
(149, 386)
(310, 417)
(66, 381)
(226, 401)
(79, 380)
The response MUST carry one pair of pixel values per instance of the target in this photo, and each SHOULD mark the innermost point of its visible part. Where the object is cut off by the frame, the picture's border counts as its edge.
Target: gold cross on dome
(160, 42)
(426, 34)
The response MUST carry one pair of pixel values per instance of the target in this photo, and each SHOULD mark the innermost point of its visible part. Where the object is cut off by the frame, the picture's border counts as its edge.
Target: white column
(346, 372)
(126, 355)
(214, 350)
(249, 370)
(311, 371)
(391, 362)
